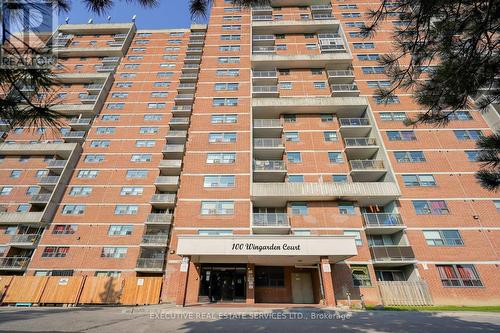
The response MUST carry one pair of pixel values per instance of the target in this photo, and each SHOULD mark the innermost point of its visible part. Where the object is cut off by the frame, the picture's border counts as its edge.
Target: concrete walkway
(166, 318)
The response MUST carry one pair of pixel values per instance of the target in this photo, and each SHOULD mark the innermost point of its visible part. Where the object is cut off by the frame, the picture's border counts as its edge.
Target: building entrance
(223, 283)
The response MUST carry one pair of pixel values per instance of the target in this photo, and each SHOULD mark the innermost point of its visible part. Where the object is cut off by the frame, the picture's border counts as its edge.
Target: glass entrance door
(225, 283)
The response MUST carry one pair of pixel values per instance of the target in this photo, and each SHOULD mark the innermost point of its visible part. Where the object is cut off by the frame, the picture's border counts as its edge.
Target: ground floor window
(361, 276)
(459, 276)
(108, 273)
(269, 276)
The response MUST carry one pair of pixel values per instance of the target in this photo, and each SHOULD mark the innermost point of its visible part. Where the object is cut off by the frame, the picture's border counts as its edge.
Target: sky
(169, 14)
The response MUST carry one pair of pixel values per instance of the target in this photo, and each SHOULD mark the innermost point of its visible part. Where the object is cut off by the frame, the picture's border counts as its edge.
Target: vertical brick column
(250, 284)
(326, 277)
(180, 299)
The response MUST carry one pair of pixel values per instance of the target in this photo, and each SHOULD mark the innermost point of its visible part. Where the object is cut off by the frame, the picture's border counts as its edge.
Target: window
(217, 207)
(299, 208)
(222, 137)
(221, 158)
(231, 27)
(351, 15)
(319, 85)
(80, 191)
(131, 190)
(64, 229)
(281, 47)
(363, 45)
(73, 209)
(227, 72)
(409, 156)
(354, 24)
(208, 232)
(169, 56)
(393, 116)
(229, 48)
(153, 117)
(460, 115)
(497, 205)
(294, 157)
(292, 136)
(41, 173)
(224, 119)
(225, 102)
(330, 136)
(335, 157)
(231, 18)
(137, 174)
(94, 158)
(269, 277)
(419, 180)
(230, 37)
(126, 209)
(87, 174)
(161, 84)
(158, 94)
(135, 57)
(131, 66)
(114, 274)
(10, 231)
(290, 118)
(443, 238)
(386, 100)
(105, 130)
(99, 143)
(148, 130)
(114, 252)
(120, 230)
(430, 207)
(346, 208)
(459, 276)
(373, 70)
(401, 135)
(164, 74)
(326, 118)
(378, 84)
(368, 57)
(468, 134)
(360, 276)
(285, 85)
(218, 181)
(226, 86)
(145, 143)
(295, 178)
(167, 65)
(339, 178)
(23, 208)
(141, 158)
(357, 236)
(55, 252)
(109, 117)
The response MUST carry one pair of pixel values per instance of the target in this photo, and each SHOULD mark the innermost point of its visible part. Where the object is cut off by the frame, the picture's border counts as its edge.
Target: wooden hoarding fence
(405, 293)
(101, 290)
(25, 289)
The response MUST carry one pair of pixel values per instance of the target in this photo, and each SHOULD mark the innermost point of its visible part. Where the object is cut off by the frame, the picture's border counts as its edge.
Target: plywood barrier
(101, 290)
(4, 284)
(62, 290)
(141, 290)
(25, 289)
(405, 293)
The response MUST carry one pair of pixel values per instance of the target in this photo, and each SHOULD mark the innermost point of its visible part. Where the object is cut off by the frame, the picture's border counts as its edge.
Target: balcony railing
(265, 89)
(265, 123)
(49, 180)
(74, 134)
(88, 98)
(151, 263)
(167, 179)
(367, 164)
(159, 218)
(270, 220)
(340, 73)
(269, 165)
(110, 59)
(80, 121)
(262, 17)
(344, 87)
(323, 17)
(57, 163)
(94, 86)
(332, 48)
(26, 238)
(354, 122)
(330, 35)
(155, 239)
(264, 49)
(360, 142)
(382, 219)
(120, 36)
(14, 262)
(392, 253)
(320, 7)
(179, 121)
(105, 68)
(264, 74)
(44, 197)
(268, 143)
(163, 197)
(260, 38)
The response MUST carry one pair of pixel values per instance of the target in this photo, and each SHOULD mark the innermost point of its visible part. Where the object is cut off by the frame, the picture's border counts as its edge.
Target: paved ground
(164, 318)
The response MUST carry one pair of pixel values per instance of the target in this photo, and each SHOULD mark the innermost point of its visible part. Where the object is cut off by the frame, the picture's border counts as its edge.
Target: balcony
(262, 18)
(20, 218)
(323, 16)
(268, 148)
(186, 87)
(264, 50)
(197, 35)
(162, 201)
(262, 10)
(321, 8)
(40, 199)
(159, 219)
(345, 76)
(192, 59)
(265, 77)
(184, 99)
(159, 240)
(188, 77)
(48, 181)
(167, 183)
(269, 171)
(265, 91)
(366, 194)
(270, 223)
(367, 170)
(263, 39)
(74, 136)
(332, 48)
(88, 99)
(267, 61)
(320, 22)
(171, 151)
(26, 241)
(360, 148)
(392, 255)
(170, 167)
(63, 150)
(194, 50)
(105, 69)
(194, 42)
(355, 127)
(176, 136)
(75, 109)
(56, 166)
(111, 60)
(94, 87)
(80, 124)
(179, 123)
(190, 68)
(149, 265)
(267, 128)
(347, 89)
(182, 110)
(119, 36)
(14, 263)
(383, 223)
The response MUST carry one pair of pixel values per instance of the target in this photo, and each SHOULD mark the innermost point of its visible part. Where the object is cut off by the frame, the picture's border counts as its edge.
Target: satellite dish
(90, 21)
(109, 18)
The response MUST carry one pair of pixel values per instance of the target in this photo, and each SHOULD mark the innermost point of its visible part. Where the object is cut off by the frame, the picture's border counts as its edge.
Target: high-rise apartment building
(249, 160)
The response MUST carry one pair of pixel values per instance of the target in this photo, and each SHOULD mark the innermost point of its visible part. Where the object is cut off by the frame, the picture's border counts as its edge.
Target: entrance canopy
(266, 249)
